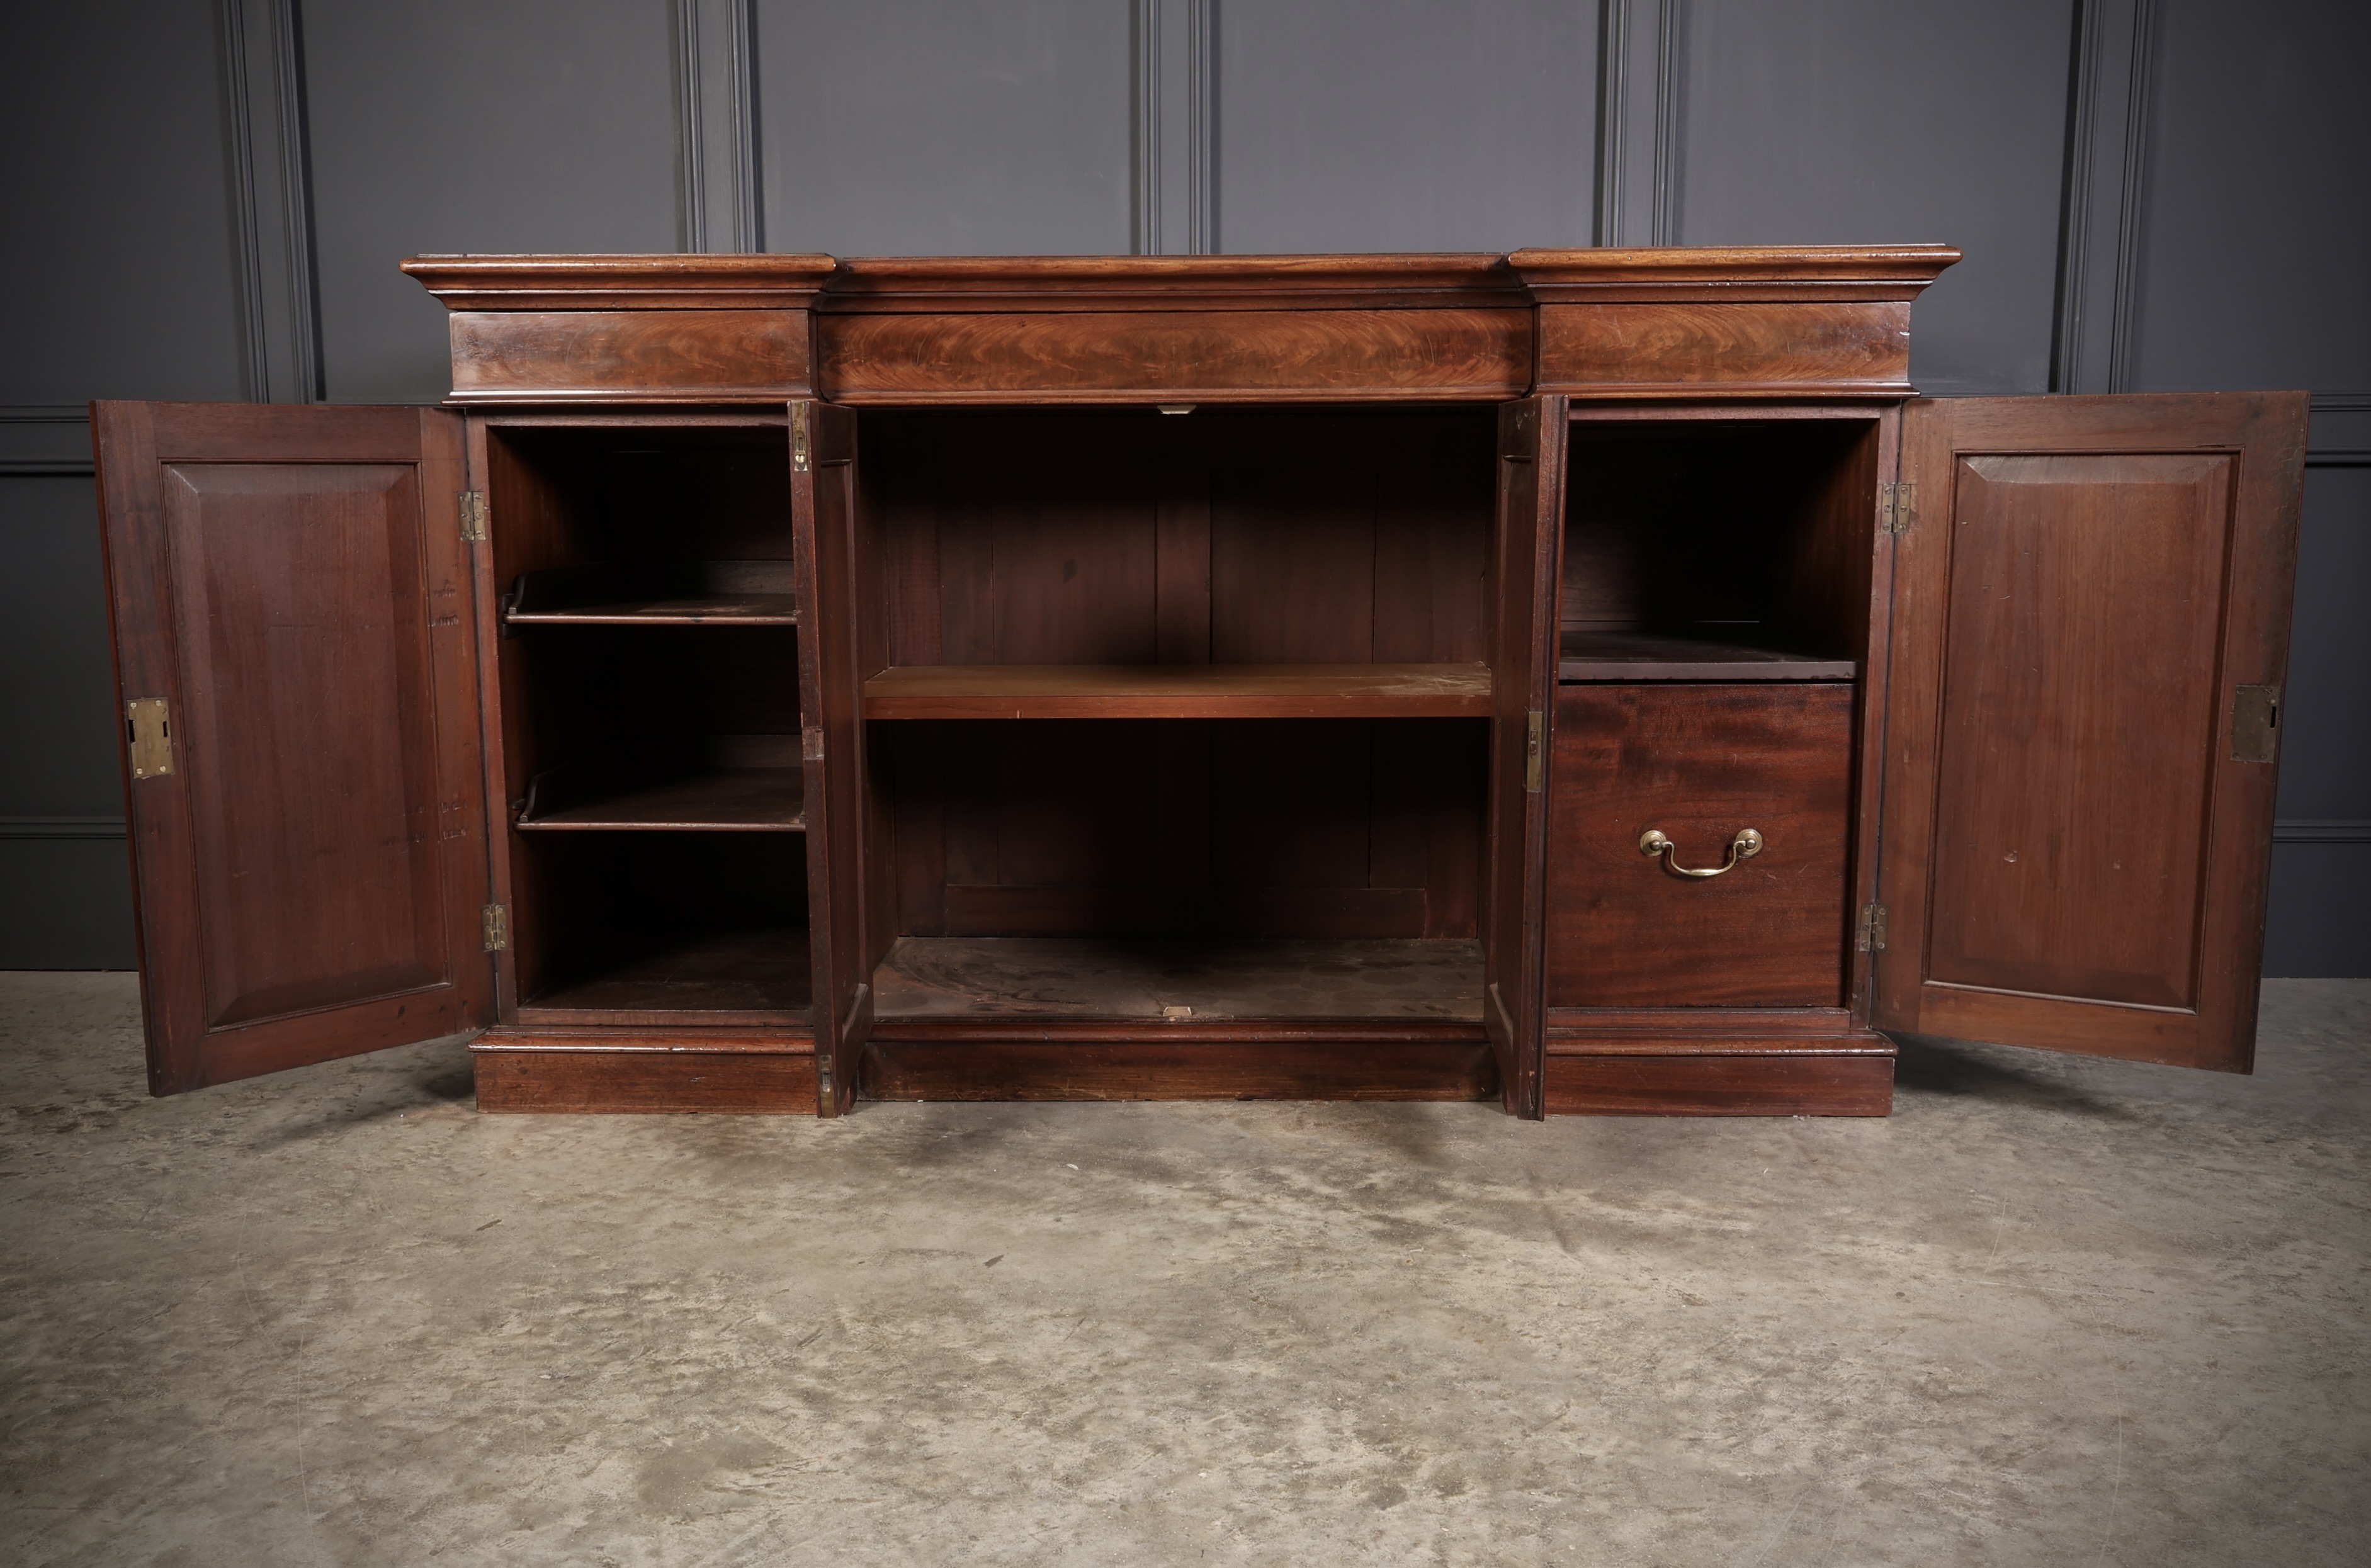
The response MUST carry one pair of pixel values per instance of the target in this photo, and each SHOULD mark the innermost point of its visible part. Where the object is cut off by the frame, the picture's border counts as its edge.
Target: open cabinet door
(832, 671)
(291, 597)
(2091, 626)
(1530, 527)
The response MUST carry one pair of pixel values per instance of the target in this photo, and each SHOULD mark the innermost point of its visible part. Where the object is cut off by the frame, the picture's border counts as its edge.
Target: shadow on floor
(1957, 1067)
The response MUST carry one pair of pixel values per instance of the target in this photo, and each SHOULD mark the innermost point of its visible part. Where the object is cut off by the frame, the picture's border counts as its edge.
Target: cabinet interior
(1174, 574)
(1733, 550)
(648, 655)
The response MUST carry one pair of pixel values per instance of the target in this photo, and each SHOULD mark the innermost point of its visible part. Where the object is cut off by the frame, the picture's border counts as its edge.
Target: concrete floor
(2054, 1311)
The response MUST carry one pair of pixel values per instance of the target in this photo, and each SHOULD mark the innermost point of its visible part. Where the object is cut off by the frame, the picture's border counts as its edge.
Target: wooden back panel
(2076, 828)
(310, 871)
(1142, 538)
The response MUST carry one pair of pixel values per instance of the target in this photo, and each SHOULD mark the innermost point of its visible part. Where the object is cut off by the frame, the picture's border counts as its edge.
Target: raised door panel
(310, 859)
(1523, 573)
(2091, 629)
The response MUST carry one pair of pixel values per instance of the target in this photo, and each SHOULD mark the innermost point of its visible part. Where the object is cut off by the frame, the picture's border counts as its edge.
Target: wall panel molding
(61, 827)
(2341, 434)
(2105, 187)
(271, 189)
(1641, 60)
(716, 99)
(44, 440)
(1174, 85)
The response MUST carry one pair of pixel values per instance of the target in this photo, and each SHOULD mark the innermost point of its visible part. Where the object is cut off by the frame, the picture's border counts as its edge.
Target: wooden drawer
(1699, 763)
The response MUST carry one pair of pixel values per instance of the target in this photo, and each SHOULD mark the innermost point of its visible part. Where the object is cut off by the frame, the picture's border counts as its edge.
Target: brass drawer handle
(1744, 847)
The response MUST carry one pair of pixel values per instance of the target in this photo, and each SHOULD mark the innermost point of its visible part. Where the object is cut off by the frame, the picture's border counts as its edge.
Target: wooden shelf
(1642, 656)
(1186, 982)
(728, 800)
(746, 970)
(705, 593)
(1179, 691)
(747, 609)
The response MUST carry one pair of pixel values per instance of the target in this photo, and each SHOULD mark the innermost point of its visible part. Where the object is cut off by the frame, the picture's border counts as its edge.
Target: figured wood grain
(1453, 354)
(637, 356)
(1725, 348)
(1699, 763)
(1179, 691)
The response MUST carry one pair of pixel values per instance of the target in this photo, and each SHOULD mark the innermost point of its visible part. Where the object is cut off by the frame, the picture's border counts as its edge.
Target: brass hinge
(473, 515)
(1897, 507)
(800, 454)
(150, 725)
(498, 926)
(1872, 928)
(2255, 723)
(1534, 723)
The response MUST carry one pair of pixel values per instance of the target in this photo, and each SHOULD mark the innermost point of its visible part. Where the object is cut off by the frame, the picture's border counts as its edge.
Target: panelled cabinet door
(291, 599)
(2091, 626)
(1523, 567)
(842, 916)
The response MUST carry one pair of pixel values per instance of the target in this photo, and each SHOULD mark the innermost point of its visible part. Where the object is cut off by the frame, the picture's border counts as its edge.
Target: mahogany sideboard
(1588, 679)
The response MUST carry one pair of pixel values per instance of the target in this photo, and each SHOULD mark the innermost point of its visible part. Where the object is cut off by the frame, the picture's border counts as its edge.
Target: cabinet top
(1155, 283)
(1731, 322)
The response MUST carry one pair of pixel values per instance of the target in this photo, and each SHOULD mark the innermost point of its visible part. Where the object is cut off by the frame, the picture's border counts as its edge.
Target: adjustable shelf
(1585, 656)
(1179, 691)
(707, 593)
(754, 786)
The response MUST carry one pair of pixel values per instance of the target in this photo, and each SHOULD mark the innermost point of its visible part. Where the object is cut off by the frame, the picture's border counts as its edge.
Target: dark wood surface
(1727, 322)
(740, 969)
(645, 1069)
(1741, 1083)
(628, 330)
(1526, 536)
(2073, 857)
(1178, 980)
(1723, 322)
(1699, 763)
(747, 799)
(704, 609)
(1628, 656)
(1179, 691)
(1184, 1068)
(728, 593)
(1238, 538)
(1189, 356)
(309, 876)
(844, 877)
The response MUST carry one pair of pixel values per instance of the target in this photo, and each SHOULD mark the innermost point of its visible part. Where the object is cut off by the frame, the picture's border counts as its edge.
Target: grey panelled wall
(2154, 194)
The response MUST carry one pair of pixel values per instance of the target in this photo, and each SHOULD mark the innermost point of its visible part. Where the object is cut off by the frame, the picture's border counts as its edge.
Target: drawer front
(1699, 764)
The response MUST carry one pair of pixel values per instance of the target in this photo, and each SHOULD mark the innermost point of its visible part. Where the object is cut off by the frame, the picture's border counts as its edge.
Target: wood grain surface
(309, 874)
(1699, 763)
(2073, 858)
(1199, 356)
(645, 1069)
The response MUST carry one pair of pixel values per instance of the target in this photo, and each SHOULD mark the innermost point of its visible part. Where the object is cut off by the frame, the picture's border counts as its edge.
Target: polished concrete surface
(2054, 1311)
